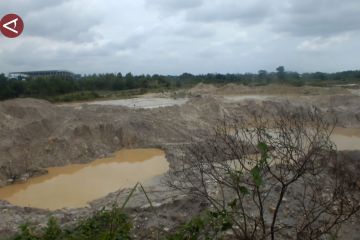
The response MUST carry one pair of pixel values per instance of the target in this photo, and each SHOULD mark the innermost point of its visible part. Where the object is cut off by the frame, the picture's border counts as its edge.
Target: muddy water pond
(75, 185)
(346, 138)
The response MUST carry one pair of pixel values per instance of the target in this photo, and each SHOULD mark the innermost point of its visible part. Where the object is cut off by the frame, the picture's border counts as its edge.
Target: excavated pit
(37, 136)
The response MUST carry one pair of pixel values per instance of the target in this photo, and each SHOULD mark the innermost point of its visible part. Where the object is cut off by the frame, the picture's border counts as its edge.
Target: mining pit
(69, 160)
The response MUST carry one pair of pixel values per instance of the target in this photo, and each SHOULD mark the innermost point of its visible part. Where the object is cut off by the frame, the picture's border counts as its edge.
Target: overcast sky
(176, 36)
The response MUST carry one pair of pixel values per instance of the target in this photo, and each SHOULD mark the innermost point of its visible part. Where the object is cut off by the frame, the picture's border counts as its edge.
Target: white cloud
(176, 5)
(175, 36)
(322, 43)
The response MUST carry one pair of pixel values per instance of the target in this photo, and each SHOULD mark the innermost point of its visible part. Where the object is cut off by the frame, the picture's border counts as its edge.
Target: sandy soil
(141, 102)
(36, 134)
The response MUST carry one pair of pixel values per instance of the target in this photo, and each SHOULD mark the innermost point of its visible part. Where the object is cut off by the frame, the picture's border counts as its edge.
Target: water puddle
(355, 92)
(346, 138)
(239, 98)
(343, 138)
(75, 185)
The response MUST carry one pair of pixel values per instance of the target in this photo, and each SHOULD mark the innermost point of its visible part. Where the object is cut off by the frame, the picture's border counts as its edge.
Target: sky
(177, 36)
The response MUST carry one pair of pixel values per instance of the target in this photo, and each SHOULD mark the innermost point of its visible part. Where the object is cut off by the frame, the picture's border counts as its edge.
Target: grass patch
(108, 95)
(104, 225)
(76, 96)
(208, 225)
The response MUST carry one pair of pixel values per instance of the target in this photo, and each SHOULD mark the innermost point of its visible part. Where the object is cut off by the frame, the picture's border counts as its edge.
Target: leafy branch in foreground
(271, 176)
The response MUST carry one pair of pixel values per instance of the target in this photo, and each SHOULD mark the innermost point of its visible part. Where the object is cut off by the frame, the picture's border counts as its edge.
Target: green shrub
(103, 225)
(25, 233)
(53, 230)
(205, 226)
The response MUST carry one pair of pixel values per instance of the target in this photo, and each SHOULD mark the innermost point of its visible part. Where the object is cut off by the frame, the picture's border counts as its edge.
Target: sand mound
(36, 134)
(203, 88)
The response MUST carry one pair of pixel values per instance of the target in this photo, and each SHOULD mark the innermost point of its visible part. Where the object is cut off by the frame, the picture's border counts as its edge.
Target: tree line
(44, 87)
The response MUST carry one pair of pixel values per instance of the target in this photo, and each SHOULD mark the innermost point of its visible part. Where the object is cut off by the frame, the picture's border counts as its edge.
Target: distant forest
(48, 87)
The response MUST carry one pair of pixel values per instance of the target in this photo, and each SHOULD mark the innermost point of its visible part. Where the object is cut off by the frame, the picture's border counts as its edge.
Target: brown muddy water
(346, 138)
(75, 185)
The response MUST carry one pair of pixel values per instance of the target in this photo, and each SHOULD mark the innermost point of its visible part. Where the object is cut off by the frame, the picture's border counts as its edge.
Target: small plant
(106, 225)
(103, 225)
(53, 230)
(208, 225)
(25, 233)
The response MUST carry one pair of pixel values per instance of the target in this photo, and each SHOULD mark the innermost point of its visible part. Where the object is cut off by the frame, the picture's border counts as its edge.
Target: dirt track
(36, 134)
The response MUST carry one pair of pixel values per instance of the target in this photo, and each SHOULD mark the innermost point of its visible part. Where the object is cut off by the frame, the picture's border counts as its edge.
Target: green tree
(263, 76)
(129, 81)
(4, 90)
(281, 72)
